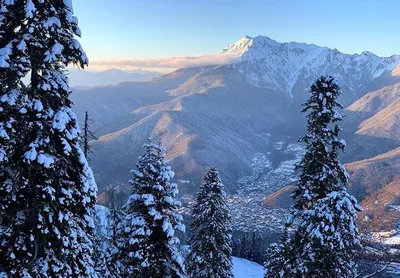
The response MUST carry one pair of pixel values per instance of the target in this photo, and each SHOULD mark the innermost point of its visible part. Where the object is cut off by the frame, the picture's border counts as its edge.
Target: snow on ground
(390, 237)
(246, 269)
(393, 240)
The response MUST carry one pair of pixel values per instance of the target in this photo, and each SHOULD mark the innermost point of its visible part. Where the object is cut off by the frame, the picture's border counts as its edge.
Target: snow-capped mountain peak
(248, 44)
(270, 64)
(261, 47)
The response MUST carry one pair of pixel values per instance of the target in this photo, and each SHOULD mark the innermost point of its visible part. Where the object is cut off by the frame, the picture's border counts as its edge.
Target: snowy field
(245, 269)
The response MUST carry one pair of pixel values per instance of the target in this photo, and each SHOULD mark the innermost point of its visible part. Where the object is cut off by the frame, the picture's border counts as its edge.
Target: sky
(142, 29)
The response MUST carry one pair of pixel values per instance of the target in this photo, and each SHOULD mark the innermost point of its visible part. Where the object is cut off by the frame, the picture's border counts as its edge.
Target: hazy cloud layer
(168, 62)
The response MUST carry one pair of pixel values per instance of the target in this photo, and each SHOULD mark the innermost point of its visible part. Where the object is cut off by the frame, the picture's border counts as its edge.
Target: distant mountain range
(244, 118)
(84, 78)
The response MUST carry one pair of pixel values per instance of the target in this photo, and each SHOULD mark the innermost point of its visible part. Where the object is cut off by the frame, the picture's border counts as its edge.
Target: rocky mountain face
(291, 67)
(381, 209)
(244, 118)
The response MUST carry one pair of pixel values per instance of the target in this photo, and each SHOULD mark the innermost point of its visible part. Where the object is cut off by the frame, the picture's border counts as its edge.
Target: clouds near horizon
(167, 63)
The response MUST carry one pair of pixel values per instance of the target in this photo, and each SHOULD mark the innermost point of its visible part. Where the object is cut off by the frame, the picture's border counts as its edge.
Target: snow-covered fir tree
(47, 190)
(100, 258)
(148, 245)
(211, 252)
(322, 236)
(107, 264)
(276, 255)
(114, 217)
(101, 254)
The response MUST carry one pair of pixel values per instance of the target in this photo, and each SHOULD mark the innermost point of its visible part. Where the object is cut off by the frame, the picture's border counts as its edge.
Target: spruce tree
(101, 255)
(276, 256)
(244, 246)
(147, 239)
(325, 236)
(211, 253)
(113, 263)
(107, 264)
(255, 248)
(47, 190)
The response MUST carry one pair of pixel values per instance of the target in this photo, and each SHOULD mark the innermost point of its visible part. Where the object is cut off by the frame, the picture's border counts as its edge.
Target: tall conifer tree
(211, 251)
(107, 263)
(325, 236)
(148, 245)
(101, 255)
(47, 190)
(114, 217)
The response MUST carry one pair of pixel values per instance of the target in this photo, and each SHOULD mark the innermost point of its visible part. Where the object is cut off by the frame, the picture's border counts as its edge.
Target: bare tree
(88, 136)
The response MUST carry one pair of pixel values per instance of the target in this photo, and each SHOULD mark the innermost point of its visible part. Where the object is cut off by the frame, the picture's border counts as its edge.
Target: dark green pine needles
(321, 237)
(47, 190)
(210, 255)
(148, 245)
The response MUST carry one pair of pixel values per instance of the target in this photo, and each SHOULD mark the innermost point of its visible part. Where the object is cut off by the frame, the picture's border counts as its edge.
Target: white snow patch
(393, 240)
(246, 269)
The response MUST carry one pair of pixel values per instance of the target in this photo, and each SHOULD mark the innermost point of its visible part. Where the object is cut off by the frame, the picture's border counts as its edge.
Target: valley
(245, 118)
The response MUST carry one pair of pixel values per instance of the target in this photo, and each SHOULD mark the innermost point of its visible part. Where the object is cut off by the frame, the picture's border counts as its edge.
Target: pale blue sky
(130, 29)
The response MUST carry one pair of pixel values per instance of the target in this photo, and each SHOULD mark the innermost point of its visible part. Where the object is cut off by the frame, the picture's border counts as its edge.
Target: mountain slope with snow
(234, 117)
(286, 66)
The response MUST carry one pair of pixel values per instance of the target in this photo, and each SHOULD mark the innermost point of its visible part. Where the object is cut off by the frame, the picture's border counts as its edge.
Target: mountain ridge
(285, 63)
(233, 116)
(248, 40)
